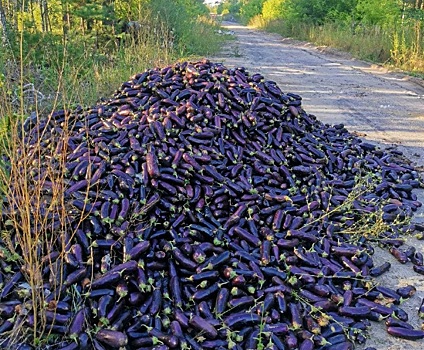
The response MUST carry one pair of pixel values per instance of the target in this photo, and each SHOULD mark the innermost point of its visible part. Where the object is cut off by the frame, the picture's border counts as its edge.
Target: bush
(250, 9)
(317, 11)
(380, 12)
(273, 9)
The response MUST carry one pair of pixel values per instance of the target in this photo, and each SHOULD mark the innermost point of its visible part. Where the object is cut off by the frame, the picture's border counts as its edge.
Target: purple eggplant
(170, 341)
(394, 322)
(355, 311)
(114, 339)
(241, 319)
(407, 291)
(379, 270)
(77, 324)
(152, 163)
(406, 333)
(203, 326)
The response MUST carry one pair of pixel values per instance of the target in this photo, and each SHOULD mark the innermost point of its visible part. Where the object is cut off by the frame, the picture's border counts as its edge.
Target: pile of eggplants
(207, 210)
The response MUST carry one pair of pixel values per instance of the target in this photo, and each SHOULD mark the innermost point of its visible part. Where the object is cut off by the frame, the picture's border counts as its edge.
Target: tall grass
(400, 46)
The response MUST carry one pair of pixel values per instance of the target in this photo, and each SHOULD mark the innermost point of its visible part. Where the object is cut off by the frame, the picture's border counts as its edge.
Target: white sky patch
(212, 2)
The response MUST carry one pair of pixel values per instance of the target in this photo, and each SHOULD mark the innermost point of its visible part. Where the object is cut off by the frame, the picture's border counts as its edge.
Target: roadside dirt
(386, 108)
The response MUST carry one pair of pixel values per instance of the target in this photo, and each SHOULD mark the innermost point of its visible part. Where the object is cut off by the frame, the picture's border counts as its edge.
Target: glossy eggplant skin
(406, 333)
(203, 326)
(114, 339)
(204, 208)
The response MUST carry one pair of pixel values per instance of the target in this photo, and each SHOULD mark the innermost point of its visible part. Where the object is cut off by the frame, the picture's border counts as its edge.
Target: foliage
(231, 7)
(178, 17)
(318, 11)
(250, 9)
(76, 44)
(381, 12)
(274, 9)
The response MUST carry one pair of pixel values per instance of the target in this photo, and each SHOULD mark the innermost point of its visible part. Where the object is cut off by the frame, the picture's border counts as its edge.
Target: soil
(384, 107)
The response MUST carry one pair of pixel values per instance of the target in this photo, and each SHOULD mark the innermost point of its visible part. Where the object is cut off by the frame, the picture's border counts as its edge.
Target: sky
(211, 2)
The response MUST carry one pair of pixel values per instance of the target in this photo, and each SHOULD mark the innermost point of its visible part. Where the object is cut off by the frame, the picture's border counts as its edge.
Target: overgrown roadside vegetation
(57, 55)
(72, 52)
(389, 32)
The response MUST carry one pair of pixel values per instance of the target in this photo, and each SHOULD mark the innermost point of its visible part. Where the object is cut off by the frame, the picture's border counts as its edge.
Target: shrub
(250, 9)
(273, 9)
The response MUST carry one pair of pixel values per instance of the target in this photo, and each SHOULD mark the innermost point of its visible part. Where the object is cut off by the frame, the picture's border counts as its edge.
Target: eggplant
(307, 344)
(237, 320)
(152, 163)
(221, 301)
(8, 286)
(181, 318)
(205, 293)
(183, 260)
(205, 200)
(203, 326)
(382, 309)
(67, 346)
(111, 338)
(421, 309)
(244, 301)
(108, 278)
(387, 292)
(407, 291)
(405, 333)
(170, 341)
(277, 328)
(394, 322)
(77, 324)
(399, 255)
(379, 270)
(291, 341)
(355, 311)
(419, 269)
(137, 250)
(296, 318)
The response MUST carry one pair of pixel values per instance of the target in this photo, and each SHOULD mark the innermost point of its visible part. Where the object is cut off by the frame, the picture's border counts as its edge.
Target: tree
(3, 25)
(318, 11)
(251, 8)
(379, 11)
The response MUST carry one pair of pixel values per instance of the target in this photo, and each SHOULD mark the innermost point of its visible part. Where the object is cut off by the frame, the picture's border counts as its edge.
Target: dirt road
(384, 107)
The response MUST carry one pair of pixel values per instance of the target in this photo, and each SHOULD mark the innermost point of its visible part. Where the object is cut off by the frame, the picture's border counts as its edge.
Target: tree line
(78, 50)
(319, 11)
(102, 22)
